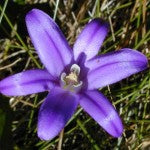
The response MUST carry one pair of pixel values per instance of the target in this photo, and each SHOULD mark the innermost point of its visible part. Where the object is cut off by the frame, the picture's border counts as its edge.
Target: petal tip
(43, 136)
(137, 53)
(104, 25)
(32, 13)
(118, 133)
(116, 127)
(101, 22)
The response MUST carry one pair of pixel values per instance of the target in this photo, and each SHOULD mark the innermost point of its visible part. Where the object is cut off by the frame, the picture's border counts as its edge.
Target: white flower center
(71, 81)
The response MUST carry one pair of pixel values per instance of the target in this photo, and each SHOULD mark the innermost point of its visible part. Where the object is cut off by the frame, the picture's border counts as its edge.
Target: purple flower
(72, 77)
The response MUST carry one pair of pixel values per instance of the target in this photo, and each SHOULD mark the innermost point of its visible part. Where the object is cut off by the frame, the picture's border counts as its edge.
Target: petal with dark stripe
(49, 41)
(113, 67)
(101, 110)
(55, 111)
(27, 82)
(90, 39)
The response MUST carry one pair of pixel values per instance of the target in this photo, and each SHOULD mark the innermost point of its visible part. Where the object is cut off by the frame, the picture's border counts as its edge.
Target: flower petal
(112, 67)
(90, 39)
(27, 82)
(54, 113)
(101, 110)
(49, 41)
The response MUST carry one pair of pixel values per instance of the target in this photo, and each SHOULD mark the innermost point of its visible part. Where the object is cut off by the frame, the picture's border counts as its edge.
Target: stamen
(63, 75)
(75, 68)
(71, 81)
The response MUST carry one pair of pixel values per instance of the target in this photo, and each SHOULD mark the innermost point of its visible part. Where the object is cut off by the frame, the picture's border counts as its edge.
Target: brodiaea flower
(72, 77)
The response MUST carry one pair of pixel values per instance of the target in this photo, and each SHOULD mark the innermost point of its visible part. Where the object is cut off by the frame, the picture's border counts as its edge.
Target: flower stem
(60, 139)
